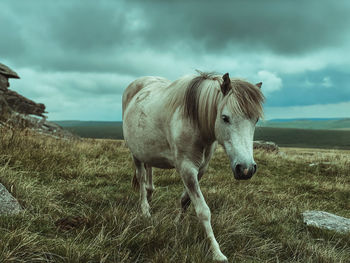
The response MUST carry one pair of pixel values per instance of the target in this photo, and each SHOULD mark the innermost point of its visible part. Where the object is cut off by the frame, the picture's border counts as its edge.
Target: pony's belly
(152, 150)
(160, 162)
(153, 154)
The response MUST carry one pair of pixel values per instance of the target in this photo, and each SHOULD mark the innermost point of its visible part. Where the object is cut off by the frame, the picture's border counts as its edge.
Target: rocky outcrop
(20, 104)
(17, 111)
(8, 204)
(7, 72)
(324, 220)
(20, 119)
(34, 125)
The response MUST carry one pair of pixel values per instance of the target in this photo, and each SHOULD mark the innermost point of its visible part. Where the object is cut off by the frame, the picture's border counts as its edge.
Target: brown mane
(198, 98)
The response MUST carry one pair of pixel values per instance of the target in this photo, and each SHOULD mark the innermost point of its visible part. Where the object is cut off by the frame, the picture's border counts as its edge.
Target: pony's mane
(198, 97)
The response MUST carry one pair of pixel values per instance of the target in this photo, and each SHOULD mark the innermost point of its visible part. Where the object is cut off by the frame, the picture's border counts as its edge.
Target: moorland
(79, 205)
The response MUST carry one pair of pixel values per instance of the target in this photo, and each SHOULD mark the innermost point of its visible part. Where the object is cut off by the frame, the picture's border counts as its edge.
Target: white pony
(177, 124)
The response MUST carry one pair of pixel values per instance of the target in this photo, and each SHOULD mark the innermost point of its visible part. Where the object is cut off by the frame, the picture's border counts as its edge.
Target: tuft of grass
(80, 206)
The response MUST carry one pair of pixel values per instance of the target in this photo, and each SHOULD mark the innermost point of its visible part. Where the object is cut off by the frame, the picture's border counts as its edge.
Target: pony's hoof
(146, 214)
(179, 217)
(220, 258)
(145, 210)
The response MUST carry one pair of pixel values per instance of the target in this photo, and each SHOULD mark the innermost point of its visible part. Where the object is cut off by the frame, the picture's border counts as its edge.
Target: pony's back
(137, 85)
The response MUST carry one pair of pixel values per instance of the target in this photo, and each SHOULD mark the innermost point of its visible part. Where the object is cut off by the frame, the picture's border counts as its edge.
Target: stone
(23, 105)
(17, 111)
(8, 204)
(8, 72)
(325, 220)
(267, 146)
(15, 101)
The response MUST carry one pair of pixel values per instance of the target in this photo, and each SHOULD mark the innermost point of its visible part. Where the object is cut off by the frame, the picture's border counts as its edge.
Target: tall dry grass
(80, 207)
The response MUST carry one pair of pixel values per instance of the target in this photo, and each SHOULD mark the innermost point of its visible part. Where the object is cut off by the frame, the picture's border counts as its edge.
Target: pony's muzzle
(244, 171)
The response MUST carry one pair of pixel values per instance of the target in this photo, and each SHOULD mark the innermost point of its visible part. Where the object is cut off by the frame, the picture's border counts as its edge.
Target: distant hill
(336, 135)
(314, 124)
(94, 129)
(75, 123)
(306, 138)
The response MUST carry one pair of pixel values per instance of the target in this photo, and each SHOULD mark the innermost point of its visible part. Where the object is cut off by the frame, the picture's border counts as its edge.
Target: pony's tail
(135, 182)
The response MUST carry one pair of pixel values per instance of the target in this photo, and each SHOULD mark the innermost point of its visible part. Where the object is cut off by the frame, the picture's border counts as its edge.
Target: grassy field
(97, 132)
(80, 207)
(94, 129)
(288, 137)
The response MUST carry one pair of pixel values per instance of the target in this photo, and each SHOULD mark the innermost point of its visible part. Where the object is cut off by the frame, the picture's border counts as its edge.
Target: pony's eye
(225, 118)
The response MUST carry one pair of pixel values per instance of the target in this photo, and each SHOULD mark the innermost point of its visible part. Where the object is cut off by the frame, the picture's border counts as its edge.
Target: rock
(17, 111)
(8, 72)
(15, 101)
(21, 104)
(326, 220)
(318, 164)
(8, 204)
(267, 146)
(31, 125)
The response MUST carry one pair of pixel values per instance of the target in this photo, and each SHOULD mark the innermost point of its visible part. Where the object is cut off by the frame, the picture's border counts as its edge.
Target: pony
(178, 125)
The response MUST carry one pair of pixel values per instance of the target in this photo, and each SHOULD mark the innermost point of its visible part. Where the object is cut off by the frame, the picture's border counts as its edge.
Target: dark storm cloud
(88, 51)
(89, 26)
(70, 34)
(65, 35)
(12, 42)
(286, 27)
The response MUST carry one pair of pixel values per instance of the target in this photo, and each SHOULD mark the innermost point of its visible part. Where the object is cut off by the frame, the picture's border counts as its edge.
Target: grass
(97, 132)
(80, 207)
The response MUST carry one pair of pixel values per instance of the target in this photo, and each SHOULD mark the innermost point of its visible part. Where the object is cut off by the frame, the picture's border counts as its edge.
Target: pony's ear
(259, 85)
(226, 85)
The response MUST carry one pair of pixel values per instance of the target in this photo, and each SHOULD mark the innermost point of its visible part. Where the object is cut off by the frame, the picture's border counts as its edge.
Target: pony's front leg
(185, 198)
(189, 173)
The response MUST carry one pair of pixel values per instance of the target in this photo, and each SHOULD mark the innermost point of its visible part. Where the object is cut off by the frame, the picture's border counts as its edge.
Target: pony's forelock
(245, 99)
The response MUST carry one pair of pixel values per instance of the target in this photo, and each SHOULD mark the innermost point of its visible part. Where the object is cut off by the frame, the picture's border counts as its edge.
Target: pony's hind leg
(141, 178)
(149, 182)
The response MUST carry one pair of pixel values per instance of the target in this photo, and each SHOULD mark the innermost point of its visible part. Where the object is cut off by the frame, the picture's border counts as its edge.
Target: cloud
(79, 33)
(327, 82)
(82, 96)
(271, 82)
(284, 28)
(336, 110)
(89, 51)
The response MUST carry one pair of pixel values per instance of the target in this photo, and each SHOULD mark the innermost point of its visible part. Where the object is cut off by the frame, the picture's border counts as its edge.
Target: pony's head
(237, 114)
(224, 110)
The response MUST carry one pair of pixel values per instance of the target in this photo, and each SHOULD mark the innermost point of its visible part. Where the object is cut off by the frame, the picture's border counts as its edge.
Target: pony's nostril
(238, 169)
(244, 172)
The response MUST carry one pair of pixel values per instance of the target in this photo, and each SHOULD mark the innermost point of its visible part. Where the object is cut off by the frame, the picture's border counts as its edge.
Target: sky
(77, 57)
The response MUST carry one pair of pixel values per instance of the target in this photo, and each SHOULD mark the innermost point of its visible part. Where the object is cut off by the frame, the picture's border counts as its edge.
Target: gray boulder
(267, 146)
(8, 204)
(326, 220)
